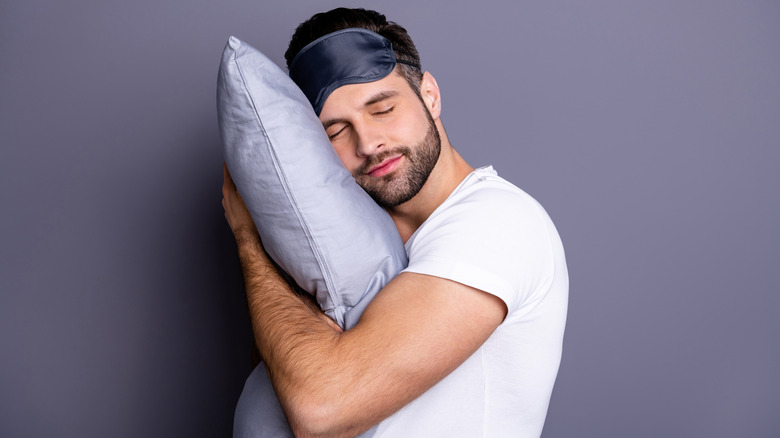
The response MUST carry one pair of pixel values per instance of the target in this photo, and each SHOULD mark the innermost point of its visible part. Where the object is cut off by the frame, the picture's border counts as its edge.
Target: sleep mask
(347, 56)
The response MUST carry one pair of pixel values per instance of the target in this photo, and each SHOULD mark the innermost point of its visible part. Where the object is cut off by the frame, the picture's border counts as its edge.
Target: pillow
(316, 223)
(314, 220)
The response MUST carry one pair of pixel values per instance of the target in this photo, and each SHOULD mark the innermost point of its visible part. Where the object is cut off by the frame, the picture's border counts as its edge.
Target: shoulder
(491, 235)
(486, 206)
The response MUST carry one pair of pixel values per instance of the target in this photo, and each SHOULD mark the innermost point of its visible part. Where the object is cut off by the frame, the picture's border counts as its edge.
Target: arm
(414, 333)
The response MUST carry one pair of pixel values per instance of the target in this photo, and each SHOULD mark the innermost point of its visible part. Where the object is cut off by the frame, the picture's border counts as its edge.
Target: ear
(429, 90)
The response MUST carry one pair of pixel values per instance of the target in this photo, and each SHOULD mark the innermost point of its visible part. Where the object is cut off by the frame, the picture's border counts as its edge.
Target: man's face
(384, 135)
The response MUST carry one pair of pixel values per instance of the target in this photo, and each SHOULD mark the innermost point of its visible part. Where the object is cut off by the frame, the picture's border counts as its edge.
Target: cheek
(411, 127)
(347, 157)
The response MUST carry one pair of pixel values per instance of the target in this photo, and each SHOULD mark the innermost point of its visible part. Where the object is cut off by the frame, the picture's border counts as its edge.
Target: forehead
(354, 97)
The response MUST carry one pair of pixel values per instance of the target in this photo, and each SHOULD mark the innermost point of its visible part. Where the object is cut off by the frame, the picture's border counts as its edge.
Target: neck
(447, 174)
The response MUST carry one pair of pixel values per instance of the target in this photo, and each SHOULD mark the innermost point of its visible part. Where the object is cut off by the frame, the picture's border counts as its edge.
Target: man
(467, 340)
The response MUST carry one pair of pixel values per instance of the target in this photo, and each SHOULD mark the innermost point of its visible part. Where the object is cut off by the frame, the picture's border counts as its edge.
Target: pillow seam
(327, 276)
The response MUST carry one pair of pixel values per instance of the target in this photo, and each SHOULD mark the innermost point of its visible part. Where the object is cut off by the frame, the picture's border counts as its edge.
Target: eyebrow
(384, 95)
(379, 97)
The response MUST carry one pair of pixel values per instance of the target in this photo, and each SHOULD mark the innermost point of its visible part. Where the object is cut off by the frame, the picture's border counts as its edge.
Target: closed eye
(336, 134)
(387, 111)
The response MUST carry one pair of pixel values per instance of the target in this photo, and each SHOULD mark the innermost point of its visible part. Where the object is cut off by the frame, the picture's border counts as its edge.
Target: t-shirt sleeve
(496, 240)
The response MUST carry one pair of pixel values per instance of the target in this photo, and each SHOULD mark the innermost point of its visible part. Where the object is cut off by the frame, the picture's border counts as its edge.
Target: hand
(236, 213)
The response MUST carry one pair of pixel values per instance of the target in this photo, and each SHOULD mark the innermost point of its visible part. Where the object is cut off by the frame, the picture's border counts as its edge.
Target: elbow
(308, 420)
(311, 416)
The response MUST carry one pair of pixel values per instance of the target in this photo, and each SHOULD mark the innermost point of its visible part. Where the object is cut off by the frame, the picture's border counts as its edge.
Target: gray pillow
(314, 220)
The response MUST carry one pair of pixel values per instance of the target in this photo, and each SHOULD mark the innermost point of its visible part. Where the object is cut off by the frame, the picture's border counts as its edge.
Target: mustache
(382, 156)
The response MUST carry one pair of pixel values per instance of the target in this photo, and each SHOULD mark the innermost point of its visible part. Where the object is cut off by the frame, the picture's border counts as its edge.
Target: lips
(385, 167)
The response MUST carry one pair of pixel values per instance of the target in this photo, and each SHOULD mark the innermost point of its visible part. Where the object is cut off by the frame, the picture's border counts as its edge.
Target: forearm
(301, 347)
(294, 340)
(286, 328)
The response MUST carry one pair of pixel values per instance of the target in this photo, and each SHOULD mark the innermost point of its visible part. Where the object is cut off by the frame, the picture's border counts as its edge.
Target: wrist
(246, 233)
(250, 248)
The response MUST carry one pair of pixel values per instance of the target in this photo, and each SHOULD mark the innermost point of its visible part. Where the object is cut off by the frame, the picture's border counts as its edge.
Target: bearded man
(467, 340)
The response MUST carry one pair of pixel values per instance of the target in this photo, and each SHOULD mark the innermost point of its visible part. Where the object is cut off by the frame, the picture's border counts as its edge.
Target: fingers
(228, 189)
(228, 186)
(227, 180)
(236, 212)
(226, 173)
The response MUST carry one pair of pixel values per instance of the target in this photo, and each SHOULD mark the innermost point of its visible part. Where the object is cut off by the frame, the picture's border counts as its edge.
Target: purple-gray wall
(649, 131)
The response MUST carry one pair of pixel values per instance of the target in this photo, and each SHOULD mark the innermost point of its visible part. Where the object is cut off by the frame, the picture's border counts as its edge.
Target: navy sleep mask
(347, 56)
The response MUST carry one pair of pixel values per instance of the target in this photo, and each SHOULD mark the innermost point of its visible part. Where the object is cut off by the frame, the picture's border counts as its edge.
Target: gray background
(648, 130)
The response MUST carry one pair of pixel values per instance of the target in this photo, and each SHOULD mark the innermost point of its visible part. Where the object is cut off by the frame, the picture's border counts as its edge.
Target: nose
(370, 139)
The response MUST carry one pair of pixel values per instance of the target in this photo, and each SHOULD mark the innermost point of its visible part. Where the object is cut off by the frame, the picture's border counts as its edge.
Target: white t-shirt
(492, 236)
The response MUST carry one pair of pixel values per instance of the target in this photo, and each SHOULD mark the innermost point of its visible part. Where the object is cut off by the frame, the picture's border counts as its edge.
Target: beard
(405, 182)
